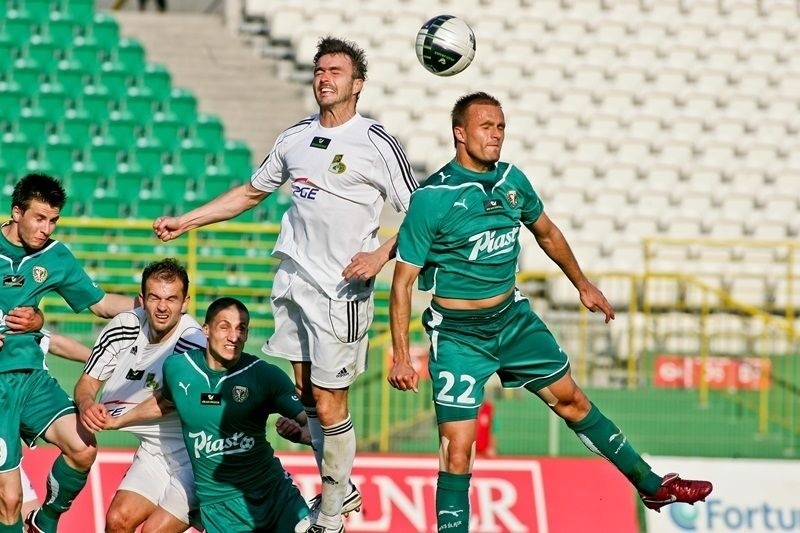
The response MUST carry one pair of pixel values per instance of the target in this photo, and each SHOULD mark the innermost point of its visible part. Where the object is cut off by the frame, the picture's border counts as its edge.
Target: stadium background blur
(661, 134)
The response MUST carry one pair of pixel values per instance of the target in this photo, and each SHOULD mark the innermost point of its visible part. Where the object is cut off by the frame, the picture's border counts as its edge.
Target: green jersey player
(223, 398)
(33, 265)
(460, 238)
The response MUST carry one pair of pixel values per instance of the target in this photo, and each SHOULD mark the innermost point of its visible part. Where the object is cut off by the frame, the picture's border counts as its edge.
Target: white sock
(317, 441)
(337, 463)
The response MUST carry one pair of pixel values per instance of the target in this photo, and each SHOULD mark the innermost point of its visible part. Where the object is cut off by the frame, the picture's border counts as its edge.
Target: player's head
(165, 288)
(340, 69)
(478, 130)
(226, 326)
(35, 209)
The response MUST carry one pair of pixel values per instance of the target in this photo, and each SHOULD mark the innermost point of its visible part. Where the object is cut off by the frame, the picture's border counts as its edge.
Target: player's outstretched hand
(364, 266)
(24, 320)
(402, 376)
(167, 228)
(292, 431)
(594, 300)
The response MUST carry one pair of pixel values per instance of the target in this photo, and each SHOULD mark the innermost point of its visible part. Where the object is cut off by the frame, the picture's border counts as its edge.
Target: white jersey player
(126, 363)
(342, 168)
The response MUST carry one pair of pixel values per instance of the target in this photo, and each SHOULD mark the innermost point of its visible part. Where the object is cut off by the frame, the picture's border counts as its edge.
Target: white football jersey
(130, 367)
(340, 179)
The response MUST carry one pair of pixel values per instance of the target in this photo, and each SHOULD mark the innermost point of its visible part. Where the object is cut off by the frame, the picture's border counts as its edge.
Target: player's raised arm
(152, 408)
(66, 347)
(113, 304)
(224, 207)
(93, 415)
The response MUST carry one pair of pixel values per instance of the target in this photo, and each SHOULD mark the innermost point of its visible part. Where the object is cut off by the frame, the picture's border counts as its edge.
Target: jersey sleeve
(283, 394)
(77, 288)
(394, 175)
(119, 334)
(418, 229)
(191, 338)
(532, 206)
(166, 373)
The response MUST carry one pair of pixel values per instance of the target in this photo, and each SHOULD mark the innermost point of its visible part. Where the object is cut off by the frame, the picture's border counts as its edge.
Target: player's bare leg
(456, 457)
(10, 501)
(127, 511)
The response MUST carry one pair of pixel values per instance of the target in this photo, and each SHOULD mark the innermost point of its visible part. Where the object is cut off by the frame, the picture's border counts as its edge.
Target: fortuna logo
(210, 446)
(494, 244)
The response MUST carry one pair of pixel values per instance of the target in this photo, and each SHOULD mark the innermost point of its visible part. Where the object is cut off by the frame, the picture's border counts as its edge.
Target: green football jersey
(224, 416)
(462, 230)
(27, 278)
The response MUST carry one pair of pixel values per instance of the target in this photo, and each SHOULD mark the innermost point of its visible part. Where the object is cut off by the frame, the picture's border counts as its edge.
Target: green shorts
(278, 509)
(31, 400)
(467, 347)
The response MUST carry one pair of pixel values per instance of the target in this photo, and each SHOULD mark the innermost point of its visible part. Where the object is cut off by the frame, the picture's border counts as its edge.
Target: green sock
(63, 485)
(602, 437)
(16, 527)
(452, 502)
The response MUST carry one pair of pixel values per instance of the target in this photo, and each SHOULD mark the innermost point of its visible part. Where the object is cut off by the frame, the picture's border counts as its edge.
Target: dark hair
(223, 303)
(38, 187)
(332, 45)
(459, 112)
(166, 270)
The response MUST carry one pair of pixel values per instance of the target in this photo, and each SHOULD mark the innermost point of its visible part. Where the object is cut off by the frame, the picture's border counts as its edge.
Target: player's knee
(10, 505)
(455, 456)
(82, 458)
(119, 520)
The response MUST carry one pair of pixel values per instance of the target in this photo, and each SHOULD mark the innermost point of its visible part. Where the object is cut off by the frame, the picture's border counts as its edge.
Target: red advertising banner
(552, 495)
(685, 372)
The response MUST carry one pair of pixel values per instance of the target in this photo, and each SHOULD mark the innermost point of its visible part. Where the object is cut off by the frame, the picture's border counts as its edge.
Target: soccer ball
(445, 45)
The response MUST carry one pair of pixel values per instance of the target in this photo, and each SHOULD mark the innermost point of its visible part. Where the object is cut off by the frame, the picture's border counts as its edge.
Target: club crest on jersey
(240, 393)
(150, 381)
(337, 167)
(39, 274)
(513, 200)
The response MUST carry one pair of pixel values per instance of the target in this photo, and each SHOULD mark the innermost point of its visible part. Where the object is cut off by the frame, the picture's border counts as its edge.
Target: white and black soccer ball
(445, 45)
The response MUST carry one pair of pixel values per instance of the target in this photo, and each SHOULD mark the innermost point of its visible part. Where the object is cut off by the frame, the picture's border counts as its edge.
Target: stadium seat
(44, 52)
(96, 101)
(167, 129)
(34, 125)
(194, 157)
(11, 99)
(79, 126)
(236, 156)
(116, 78)
(208, 130)
(53, 101)
(141, 103)
(123, 129)
(60, 153)
(18, 26)
(87, 53)
(157, 79)
(104, 154)
(130, 53)
(80, 10)
(105, 30)
(15, 151)
(149, 155)
(183, 105)
(28, 74)
(62, 30)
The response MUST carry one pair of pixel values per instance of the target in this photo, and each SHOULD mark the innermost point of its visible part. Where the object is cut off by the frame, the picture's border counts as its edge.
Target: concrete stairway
(225, 73)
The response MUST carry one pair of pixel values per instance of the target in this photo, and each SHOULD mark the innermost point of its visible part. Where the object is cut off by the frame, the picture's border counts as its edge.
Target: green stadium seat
(149, 156)
(116, 78)
(105, 154)
(96, 101)
(217, 180)
(62, 30)
(85, 184)
(87, 53)
(209, 130)
(80, 10)
(72, 77)
(173, 180)
(11, 99)
(152, 208)
(105, 30)
(28, 75)
(183, 104)
(140, 103)
(53, 101)
(194, 157)
(44, 52)
(123, 129)
(18, 26)
(60, 153)
(167, 130)
(38, 10)
(236, 156)
(156, 78)
(33, 124)
(130, 53)
(130, 182)
(109, 207)
(8, 52)
(79, 126)
(15, 151)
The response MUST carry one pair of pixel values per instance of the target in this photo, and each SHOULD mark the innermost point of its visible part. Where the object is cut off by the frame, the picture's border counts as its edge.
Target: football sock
(63, 485)
(315, 429)
(602, 437)
(452, 502)
(337, 463)
(16, 527)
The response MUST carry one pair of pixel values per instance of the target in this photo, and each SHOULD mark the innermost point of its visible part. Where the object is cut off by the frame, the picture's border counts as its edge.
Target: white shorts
(167, 482)
(310, 327)
(28, 492)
